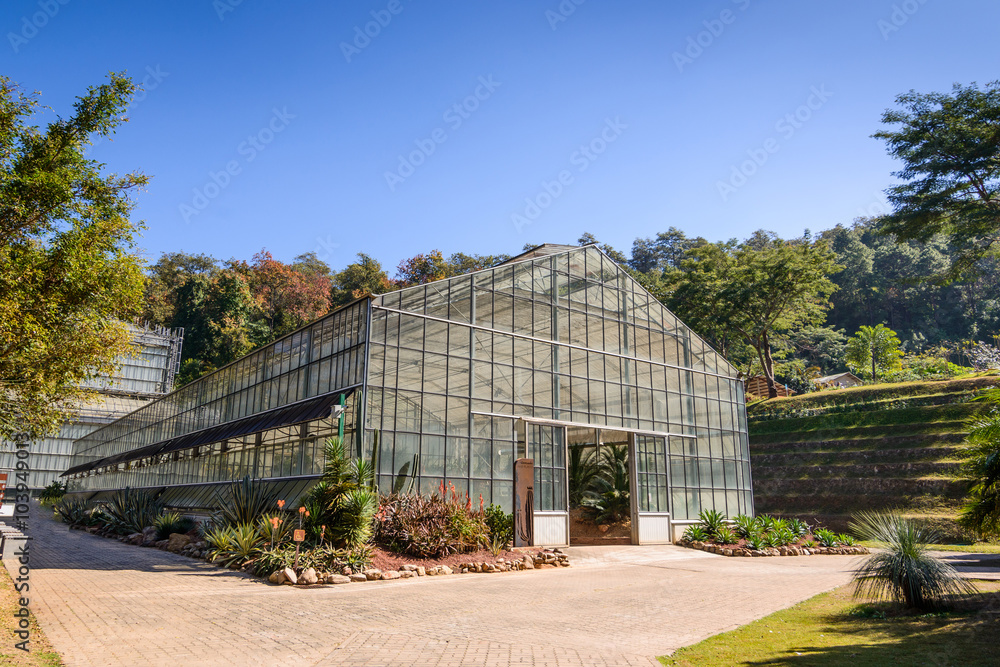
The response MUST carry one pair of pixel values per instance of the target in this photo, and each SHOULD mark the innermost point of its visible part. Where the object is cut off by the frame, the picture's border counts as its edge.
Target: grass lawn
(977, 548)
(832, 629)
(40, 653)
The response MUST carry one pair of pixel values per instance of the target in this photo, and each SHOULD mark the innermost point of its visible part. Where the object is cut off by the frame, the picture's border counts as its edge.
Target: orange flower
(301, 510)
(281, 504)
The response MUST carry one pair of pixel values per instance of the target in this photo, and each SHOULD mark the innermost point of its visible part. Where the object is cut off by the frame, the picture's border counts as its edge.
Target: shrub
(757, 542)
(809, 544)
(430, 527)
(500, 525)
(745, 525)
(846, 540)
(273, 528)
(826, 538)
(129, 511)
(609, 500)
(799, 527)
(243, 503)
(725, 535)
(52, 493)
(696, 533)
(712, 521)
(344, 500)
(172, 522)
(905, 572)
(73, 512)
(235, 546)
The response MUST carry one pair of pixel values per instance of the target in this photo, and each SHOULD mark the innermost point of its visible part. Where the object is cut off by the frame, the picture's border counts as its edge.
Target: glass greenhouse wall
(453, 381)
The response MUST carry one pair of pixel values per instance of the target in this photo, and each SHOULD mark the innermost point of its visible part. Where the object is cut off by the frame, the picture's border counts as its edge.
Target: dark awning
(314, 408)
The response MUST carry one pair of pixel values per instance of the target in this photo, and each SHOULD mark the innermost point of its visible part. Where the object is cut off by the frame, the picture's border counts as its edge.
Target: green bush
(745, 525)
(344, 500)
(608, 500)
(236, 546)
(757, 542)
(243, 503)
(52, 493)
(172, 522)
(725, 535)
(826, 538)
(500, 525)
(73, 512)
(712, 521)
(129, 511)
(695, 533)
(904, 572)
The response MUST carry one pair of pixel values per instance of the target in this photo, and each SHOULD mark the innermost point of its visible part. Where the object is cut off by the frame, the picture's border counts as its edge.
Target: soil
(583, 530)
(387, 560)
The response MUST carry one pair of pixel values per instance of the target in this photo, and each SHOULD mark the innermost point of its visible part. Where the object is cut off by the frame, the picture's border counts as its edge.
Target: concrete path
(106, 603)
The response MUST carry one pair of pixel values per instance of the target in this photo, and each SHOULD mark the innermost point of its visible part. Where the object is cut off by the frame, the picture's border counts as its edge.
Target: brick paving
(105, 603)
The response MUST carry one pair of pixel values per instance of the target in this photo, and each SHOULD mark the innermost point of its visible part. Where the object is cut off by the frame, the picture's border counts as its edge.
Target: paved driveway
(105, 603)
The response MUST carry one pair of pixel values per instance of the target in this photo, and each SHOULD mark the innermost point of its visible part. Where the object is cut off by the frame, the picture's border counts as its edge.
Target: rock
(308, 577)
(421, 571)
(290, 576)
(407, 574)
(389, 575)
(432, 572)
(727, 552)
(446, 570)
(177, 541)
(358, 577)
(161, 544)
(276, 578)
(464, 570)
(338, 579)
(135, 538)
(407, 567)
(564, 563)
(347, 571)
(527, 562)
(373, 574)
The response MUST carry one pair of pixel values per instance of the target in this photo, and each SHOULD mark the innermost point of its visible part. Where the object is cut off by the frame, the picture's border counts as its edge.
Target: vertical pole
(342, 402)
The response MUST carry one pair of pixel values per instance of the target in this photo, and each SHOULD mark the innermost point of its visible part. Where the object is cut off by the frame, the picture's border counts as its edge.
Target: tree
(950, 149)
(286, 298)
(165, 277)
(756, 292)
(69, 274)
(362, 278)
(982, 512)
(875, 348)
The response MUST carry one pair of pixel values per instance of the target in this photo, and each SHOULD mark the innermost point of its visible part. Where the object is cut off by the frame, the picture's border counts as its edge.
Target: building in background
(138, 380)
(552, 353)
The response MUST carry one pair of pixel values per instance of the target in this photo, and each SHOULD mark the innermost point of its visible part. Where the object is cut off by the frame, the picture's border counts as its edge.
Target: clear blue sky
(667, 119)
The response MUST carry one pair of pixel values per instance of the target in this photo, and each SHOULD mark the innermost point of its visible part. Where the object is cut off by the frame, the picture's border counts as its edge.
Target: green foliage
(725, 535)
(757, 542)
(712, 521)
(826, 538)
(73, 512)
(129, 511)
(70, 275)
(583, 470)
(873, 350)
(846, 540)
(500, 525)
(745, 525)
(244, 503)
(904, 572)
(609, 499)
(951, 169)
(52, 493)
(798, 527)
(753, 292)
(343, 501)
(274, 528)
(981, 513)
(236, 546)
(172, 522)
(695, 533)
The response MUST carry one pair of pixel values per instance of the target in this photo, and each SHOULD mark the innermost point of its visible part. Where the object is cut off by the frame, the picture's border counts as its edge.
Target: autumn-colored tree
(69, 273)
(286, 299)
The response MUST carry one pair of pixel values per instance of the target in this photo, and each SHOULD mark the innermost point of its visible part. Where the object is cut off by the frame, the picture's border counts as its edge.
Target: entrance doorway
(600, 486)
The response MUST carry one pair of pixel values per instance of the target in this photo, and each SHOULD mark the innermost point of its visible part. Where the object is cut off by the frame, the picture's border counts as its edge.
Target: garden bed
(740, 550)
(746, 536)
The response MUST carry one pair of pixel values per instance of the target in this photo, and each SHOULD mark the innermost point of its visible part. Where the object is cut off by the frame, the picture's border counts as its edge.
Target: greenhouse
(556, 356)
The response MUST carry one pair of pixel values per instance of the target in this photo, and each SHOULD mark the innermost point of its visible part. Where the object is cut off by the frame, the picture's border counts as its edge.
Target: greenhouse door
(546, 445)
(651, 508)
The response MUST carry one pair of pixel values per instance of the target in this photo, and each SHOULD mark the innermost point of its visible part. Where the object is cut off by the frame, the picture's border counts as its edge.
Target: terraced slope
(826, 455)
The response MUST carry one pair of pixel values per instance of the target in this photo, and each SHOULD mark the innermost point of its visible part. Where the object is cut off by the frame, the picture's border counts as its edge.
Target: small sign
(299, 535)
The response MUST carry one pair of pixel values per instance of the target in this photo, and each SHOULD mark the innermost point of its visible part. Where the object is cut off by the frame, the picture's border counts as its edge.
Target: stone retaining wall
(774, 551)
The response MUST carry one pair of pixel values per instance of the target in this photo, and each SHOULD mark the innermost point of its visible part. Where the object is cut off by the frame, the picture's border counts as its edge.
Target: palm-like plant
(905, 572)
(981, 513)
(611, 500)
(246, 501)
(345, 500)
(583, 470)
(712, 521)
(745, 525)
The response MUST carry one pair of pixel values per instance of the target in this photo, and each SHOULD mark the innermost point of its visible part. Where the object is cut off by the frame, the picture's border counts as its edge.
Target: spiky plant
(695, 533)
(611, 500)
(725, 535)
(981, 513)
(583, 470)
(244, 502)
(745, 525)
(129, 511)
(712, 521)
(905, 572)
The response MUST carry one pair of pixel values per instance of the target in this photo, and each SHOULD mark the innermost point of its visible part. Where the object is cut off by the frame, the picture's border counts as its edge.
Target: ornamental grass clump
(905, 572)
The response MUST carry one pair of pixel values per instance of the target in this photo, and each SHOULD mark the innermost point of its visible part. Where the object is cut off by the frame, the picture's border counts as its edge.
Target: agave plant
(73, 512)
(725, 535)
(799, 527)
(745, 525)
(695, 534)
(712, 521)
(826, 538)
(756, 541)
(905, 572)
(610, 501)
(244, 503)
(235, 546)
(129, 511)
(846, 540)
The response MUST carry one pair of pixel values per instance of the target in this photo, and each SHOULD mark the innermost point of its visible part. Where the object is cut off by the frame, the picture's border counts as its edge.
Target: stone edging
(774, 551)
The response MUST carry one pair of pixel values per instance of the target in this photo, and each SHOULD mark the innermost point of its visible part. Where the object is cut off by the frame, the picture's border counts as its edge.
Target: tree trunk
(873, 366)
(768, 363)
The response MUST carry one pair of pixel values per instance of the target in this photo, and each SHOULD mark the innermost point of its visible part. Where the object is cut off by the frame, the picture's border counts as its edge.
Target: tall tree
(166, 276)
(950, 149)
(69, 273)
(361, 278)
(874, 348)
(759, 291)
